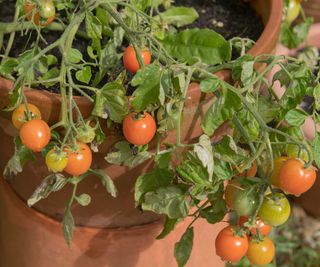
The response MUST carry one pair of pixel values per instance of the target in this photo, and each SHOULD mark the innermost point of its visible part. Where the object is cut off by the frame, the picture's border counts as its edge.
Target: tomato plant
(139, 129)
(130, 60)
(35, 134)
(294, 178)
(245, 203)
(56, 160)
(258, 226)
(259, 252)
(21, 114)
(230, 246)
(275, 209)
(79, 159)
(42, 14)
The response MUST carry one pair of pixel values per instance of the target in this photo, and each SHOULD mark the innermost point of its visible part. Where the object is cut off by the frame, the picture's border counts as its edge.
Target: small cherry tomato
(293, 10)
(19, 115)
(275, 209)
(86, 134)
(79, 159)
(231, 192)
(294, 178)
(35, 134)
(43, 14)
(262, 252)
(130, 60)
(245, 203)
(229, 246)
(277, 164)
(56, 160)
(263, 228)
(139, 129)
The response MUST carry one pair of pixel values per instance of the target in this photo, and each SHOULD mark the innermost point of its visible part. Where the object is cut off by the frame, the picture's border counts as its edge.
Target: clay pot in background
(37, 238)
(312, 8)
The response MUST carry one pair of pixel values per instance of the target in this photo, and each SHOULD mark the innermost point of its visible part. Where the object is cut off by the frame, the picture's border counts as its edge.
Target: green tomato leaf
(84, 199)
(296, 117)
(163, 160)
(222, 170)
(111, 102)
(316, 149)
(126, 155)
(228, 149)
(198, 44)
(74, 56)
(316, 95)
(169, 200)
(210, 85)
(50, 184)
(147, 81)
(183, 248)
(168, 227)
(178, 16)
(221, 110)
(203, 150)
(21, 156)
(106, 181)
(84, 75)
(68, 226)
(151, 182)
(93, 26)
(8, 67)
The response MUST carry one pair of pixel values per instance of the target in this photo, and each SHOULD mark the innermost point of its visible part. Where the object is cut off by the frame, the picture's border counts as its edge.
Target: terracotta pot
(28, 238)
(312, 8)
(104, 213)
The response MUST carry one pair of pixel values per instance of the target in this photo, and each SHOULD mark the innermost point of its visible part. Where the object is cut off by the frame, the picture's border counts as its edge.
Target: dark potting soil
(230, 18)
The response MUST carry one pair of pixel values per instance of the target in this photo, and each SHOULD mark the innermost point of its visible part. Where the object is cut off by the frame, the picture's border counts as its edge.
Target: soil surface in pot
(229, 18)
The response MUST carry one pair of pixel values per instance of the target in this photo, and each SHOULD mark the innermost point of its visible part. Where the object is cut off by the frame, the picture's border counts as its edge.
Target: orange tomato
(277, 164)
(261, 253)
(18, 117)
(43, 14)
(263, 228)
(79, 160)
(130, 60)
(35, 134)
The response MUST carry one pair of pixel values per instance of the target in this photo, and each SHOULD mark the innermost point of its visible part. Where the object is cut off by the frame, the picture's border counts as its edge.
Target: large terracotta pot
(99, 219)
(312, 8)
(309, 200)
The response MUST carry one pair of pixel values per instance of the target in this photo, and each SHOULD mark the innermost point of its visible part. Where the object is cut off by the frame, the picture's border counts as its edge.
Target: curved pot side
(105, 211)
(29, 238)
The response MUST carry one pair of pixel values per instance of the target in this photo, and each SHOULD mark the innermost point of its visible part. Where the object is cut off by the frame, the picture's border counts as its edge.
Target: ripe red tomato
(35, 134)
(130, 60)
(79, 160)
(18, 117)
(43, 14)
(231, 192)
(293, 10)
(277, 164)
(139, 129)
(275, 209)
(261, 253)
(263, 228)
(229, 246)
(294, 178)
(56, 160)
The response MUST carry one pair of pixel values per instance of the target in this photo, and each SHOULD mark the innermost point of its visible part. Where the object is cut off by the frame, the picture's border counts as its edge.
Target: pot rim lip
(270, 32)
(23, 208)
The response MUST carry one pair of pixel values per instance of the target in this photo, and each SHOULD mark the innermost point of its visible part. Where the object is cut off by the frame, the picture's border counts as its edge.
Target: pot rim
(269, 33)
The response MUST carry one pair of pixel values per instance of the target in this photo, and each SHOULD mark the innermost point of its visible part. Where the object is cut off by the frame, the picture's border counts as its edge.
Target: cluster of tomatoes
(42, 13)
(35, 134)
(249, 237)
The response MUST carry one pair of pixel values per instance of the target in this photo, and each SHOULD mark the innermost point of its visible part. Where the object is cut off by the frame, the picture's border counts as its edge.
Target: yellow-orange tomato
(130, 60)
(229, 246)
(35, 134)
(252, 171)
(79, 160)
(294, 178)
(260, 253)
(43, 14)
(18, 117)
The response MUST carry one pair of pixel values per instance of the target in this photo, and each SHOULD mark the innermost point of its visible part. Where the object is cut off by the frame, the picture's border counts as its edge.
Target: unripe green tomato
(245, 203)
(292, 151)
(275, 209)
(86, 134)
(293, 10)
